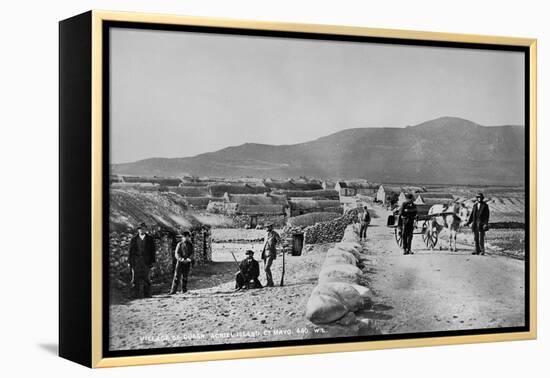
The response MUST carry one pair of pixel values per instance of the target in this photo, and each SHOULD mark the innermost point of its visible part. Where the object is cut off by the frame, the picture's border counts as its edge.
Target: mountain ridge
(444, 150)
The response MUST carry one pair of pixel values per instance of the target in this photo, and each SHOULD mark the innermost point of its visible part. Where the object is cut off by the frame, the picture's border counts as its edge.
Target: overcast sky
(177, 94)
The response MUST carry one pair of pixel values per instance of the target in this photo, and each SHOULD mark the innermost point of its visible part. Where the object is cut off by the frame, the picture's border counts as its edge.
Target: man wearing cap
(479, 219)
(407, 215)
(141, 258)
(183, 254)
(249, 271)
(364, 220)
(269, 252)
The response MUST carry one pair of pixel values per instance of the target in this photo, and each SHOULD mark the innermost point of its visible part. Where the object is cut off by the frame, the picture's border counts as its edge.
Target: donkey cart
(422, 226)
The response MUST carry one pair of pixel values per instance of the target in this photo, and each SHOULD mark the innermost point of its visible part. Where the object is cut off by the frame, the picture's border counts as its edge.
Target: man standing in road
(479, 219)
(407, 215)
(141, 258)
(249, 271)
(364, 220)
(183, 253)
(269, 252)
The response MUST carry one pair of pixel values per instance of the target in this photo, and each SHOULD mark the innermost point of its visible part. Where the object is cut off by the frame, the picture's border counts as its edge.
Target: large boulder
(340, 273)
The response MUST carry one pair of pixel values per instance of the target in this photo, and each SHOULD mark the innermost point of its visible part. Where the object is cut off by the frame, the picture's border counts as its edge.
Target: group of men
(142, 256)
(478, 219)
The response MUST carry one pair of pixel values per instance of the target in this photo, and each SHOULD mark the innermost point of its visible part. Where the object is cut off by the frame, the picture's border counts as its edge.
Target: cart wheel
(398, 237)
(431, 239)
(425, 232)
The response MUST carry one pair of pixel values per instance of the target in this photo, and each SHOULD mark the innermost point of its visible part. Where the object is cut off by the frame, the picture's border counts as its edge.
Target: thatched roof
(358, 185)
(257, 199)
(312, 218)
(191, 191)
(129, 208)
(326, 194)
(230, 208)
(198, 202)
(308, 204)
(260, 209)
(293, 185)
(164, 181)
(218, 190)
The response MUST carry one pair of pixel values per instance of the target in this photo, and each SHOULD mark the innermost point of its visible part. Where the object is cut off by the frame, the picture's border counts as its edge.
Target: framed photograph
(234, 189)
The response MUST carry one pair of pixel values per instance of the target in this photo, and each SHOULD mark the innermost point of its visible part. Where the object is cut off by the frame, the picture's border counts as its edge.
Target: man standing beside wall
(183, 253)
(141, 258)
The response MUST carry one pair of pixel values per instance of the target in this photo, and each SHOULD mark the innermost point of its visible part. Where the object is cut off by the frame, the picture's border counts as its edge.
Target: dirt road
(440, 290)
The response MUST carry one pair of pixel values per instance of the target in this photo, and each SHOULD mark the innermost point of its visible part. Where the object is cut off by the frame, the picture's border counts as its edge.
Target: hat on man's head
(409, 196)
(249, 253)
(480, 195)
(142, 225)
(269, 225)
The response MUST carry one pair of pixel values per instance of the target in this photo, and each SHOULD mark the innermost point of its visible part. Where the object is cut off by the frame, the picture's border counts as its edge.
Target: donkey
(453, 216)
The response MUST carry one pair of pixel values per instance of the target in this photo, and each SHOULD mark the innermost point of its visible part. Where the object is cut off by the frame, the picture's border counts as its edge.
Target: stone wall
(165, 243)
(324, 232)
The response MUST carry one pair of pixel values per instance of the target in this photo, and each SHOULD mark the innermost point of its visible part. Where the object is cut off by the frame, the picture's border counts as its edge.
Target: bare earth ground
(429, 291)
(440, 290)
(211, 313)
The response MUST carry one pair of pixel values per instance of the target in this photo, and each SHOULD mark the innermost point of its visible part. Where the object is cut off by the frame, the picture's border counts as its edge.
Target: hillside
(445, 150)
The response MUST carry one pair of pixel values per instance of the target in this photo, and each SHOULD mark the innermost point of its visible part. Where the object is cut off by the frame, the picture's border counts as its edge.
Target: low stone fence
(340, 291)
(324, 232)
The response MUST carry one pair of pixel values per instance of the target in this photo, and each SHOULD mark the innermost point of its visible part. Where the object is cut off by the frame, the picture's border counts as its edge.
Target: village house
(353, 188)
(219, 189)
(388, 195)
(328, 184)
(429, 198)
(251, 210)
(293, 184)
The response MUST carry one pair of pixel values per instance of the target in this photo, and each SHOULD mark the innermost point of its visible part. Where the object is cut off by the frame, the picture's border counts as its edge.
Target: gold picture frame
(92, 25)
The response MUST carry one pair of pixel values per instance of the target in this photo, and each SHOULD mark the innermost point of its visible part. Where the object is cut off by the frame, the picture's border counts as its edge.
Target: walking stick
(283, 272)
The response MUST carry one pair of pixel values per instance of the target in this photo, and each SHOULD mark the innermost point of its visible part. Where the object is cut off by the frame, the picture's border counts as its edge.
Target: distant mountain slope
(444, 150)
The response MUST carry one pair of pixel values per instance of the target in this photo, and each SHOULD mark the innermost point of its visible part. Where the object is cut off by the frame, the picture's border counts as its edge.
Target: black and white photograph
(284, 189)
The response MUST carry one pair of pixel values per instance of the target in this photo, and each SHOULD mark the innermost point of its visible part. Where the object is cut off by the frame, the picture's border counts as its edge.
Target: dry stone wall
(165, 243)
(323, 232)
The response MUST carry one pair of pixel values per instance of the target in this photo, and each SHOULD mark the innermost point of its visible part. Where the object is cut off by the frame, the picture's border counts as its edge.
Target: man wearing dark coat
(479, 219)
(141, 258)
(249, 271)
(364, 219)
(407, 215)
(183, 253)
(269, 253)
